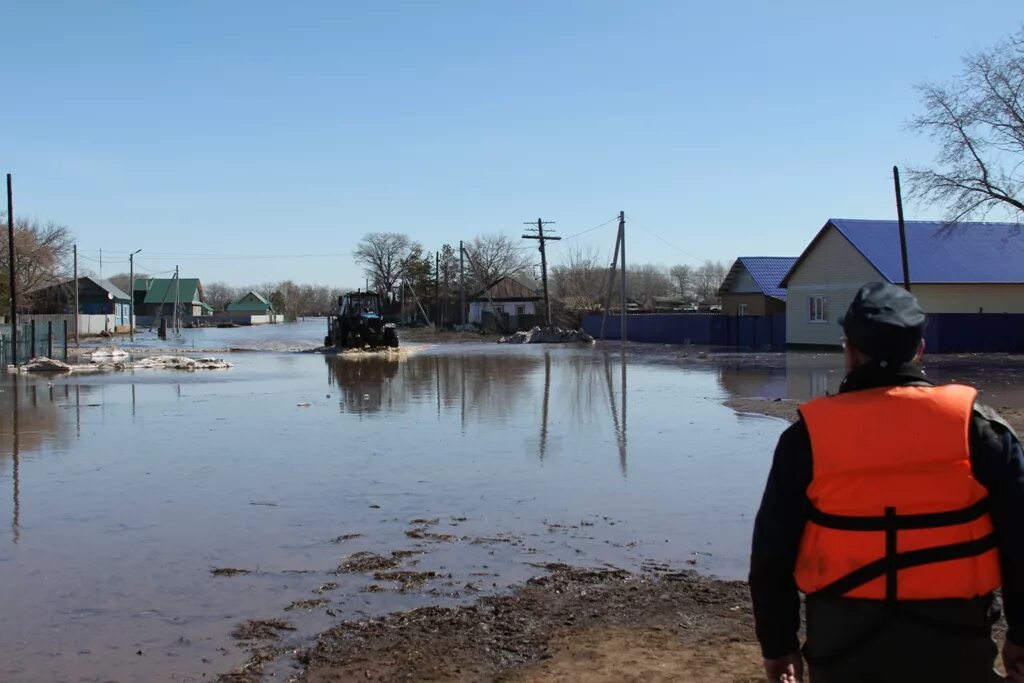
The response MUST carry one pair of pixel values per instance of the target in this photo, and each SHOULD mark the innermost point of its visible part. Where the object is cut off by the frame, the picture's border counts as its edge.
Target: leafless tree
(646, 281)
(577, 282)
(978, 123)
(682, 278)
(496, 256)
(383, 256)
(42, 256)
(707, 279)
(220, 294)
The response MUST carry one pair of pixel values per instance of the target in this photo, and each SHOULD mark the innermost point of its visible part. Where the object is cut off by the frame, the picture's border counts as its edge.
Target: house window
(499, 309)
(743, 309)
(817, 309)
(520, 311)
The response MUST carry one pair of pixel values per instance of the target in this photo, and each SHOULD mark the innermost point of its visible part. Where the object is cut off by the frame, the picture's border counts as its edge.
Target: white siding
(745, 284)
(835, 269)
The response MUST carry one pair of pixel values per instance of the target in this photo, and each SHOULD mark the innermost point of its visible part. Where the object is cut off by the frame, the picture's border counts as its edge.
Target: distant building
(252, 303)
(516, 304)
(107, 306)
(752, 285)
(156, 297)
(958, 268)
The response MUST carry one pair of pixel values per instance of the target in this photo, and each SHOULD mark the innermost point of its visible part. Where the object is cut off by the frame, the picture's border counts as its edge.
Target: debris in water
(346, 537)
(547, 335)
(229, 571)
(303, 404)
(308, 604)
(409, 580)
(46, 365)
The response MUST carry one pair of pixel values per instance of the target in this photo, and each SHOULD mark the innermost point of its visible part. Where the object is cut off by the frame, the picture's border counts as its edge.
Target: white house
(518, 305)
(954, 268)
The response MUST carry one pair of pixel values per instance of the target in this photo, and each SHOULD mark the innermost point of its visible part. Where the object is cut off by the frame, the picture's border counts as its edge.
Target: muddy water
(120, 493)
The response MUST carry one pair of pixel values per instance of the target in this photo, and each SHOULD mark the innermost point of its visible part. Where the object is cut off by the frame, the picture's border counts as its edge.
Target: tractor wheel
(327, 340)
(390, 338)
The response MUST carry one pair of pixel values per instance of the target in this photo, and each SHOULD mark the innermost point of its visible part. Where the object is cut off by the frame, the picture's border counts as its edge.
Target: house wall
(478, 308)
(834, 269)
(757, 304)
(745, 284)
(969, 298)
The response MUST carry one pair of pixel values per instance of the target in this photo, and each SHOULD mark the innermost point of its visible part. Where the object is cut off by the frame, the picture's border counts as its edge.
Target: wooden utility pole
(131, 294)
(462, 285)
(437, 288)
(177, 300)
(11, 268)
(76, 294)
(903, 227)
(542, 238)
(622, 254)
(610, 281)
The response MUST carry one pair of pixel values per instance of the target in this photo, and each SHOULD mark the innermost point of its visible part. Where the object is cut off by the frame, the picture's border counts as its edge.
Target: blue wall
(946, 333)
(704, 329)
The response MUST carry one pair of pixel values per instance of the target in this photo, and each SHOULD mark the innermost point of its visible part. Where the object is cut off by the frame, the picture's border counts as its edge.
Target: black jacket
(997, 462)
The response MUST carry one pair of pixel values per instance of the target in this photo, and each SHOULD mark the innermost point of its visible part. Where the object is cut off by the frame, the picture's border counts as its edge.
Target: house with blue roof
(752, 286)
(960, 268)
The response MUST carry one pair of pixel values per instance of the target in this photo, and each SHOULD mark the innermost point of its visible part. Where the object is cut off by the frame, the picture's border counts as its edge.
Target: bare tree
(220, 294)
(577, 282)
(646, 281)
(682, 278)
(42, 253)
(707, 279)
(496, 256)
(978, 123)
(383, 256)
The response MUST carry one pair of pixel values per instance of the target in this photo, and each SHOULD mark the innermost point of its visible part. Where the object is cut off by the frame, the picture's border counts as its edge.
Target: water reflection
(491, 387)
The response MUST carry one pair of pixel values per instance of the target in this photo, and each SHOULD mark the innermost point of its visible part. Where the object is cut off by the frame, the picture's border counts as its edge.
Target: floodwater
(119, 493)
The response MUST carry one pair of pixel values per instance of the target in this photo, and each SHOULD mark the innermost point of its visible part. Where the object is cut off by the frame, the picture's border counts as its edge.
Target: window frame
(817, 309)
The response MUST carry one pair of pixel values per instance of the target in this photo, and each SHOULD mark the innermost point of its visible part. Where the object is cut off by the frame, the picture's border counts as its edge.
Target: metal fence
(760, 332)
(33, 340)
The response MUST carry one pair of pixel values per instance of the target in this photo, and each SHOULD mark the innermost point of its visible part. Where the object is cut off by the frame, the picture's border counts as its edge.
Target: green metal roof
(162, 290)
(249, 307)
(206, 307)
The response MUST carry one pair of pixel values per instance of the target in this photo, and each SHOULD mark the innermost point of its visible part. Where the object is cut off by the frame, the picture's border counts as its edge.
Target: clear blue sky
(257, 128)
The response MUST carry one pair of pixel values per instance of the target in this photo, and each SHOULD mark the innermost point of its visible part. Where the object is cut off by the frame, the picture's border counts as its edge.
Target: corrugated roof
(109, 287)
(767, 272)
(248, 307)
(937, 252)
(508, 289)
(156, 289)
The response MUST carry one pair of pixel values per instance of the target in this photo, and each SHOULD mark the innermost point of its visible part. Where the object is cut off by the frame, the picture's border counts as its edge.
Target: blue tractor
(358, 324)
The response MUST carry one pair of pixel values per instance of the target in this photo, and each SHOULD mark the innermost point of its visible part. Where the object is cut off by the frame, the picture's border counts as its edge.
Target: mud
(261, 629)
(572, 624)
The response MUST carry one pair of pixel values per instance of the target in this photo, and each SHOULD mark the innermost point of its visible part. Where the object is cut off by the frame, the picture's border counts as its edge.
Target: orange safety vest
(896, 511)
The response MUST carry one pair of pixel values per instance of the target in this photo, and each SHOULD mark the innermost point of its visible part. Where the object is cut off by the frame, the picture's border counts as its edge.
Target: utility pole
(177, 301)
(903, 227)
(11, 268)
(542, 238)
(622, 253)
(101, 264)
(131, 293)
(437, 288)
(76, 294)
(462, 286)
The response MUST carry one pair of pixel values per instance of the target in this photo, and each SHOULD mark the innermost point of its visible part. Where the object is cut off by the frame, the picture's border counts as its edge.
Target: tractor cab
(358, 323)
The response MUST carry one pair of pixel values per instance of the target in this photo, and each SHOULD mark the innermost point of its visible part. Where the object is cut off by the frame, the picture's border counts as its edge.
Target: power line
(601, 225)
(677, 248)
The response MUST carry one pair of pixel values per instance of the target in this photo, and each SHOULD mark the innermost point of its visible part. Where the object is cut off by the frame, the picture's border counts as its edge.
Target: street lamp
(131, 293)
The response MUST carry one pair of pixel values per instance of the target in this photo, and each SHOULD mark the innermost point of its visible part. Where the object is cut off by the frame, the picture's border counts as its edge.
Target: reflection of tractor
(358, 323)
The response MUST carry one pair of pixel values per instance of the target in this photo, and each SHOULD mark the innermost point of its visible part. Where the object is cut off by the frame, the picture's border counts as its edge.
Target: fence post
(65, 346)
(49, 339)
(32, 338)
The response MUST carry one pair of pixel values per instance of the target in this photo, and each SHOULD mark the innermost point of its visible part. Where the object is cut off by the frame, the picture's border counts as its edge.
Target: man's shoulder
(989, 416)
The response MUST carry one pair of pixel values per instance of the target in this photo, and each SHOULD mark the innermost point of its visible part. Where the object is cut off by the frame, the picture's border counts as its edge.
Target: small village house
(751, 286)
(967, 268)
(518, 306)
(253, 303)
(156, 297)
(102, 306)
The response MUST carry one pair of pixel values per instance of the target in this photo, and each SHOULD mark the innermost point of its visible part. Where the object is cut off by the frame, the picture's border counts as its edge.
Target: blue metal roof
(768, 272)
(939, 252)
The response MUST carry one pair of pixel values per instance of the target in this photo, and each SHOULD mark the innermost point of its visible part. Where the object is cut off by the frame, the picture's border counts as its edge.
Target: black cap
(884, 322)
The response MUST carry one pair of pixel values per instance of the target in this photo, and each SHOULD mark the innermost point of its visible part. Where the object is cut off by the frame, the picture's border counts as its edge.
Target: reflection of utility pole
(619, 427)
(622, 447)
(16, 466)
(544, 408)
(542, 238)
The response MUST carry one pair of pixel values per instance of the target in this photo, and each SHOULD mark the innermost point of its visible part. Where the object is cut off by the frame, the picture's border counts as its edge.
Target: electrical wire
(677, 248)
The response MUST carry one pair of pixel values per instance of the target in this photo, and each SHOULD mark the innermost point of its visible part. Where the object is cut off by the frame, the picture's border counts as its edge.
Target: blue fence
(704, 329)
(975, 332)
(33, 340)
